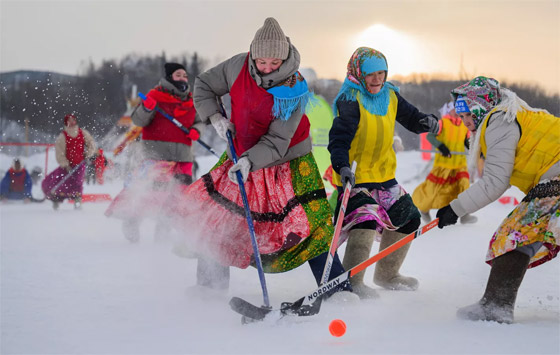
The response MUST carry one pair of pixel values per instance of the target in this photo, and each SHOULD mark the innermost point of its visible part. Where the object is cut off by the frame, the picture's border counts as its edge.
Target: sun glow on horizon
(403, 52)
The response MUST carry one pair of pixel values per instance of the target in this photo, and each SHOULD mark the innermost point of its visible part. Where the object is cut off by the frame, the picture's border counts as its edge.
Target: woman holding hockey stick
(521, 146)
(73, 147)
(367, 108)
(287, 199)
(167, 157)
(449, 176)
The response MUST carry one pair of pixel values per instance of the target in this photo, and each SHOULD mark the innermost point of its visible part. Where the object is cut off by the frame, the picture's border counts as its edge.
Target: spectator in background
(100, 163)
(73, 146)
(36, 175)
(16, 184)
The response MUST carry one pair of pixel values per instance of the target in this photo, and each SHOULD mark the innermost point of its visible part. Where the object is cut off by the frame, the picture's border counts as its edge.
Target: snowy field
(71, 284)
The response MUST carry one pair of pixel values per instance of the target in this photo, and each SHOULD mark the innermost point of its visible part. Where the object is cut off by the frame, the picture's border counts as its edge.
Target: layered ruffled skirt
(71, 188)
(150, 191)
(535, 220)
(292, 218)
(441, 187)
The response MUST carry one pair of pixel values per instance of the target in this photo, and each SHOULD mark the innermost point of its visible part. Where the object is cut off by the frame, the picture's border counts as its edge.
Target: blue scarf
(289, 96)
(376, 104)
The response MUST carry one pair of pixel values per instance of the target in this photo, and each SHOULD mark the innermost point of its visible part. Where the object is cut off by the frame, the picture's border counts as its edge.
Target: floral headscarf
(481, 94)
(365, 61)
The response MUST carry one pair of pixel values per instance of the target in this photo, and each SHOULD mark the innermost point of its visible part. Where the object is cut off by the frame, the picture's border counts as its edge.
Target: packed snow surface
(72, 284)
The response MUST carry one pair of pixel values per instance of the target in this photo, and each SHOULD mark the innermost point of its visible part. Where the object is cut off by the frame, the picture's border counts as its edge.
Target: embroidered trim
(259, 216)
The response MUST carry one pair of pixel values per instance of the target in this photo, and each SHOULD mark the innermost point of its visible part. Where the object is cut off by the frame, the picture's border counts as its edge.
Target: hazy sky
(506, 39)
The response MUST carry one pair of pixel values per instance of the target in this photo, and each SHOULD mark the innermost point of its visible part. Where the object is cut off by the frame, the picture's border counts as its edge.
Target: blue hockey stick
(258, 261)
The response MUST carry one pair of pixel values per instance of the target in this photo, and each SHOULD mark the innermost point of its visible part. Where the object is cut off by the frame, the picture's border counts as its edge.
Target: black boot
(498, 301)
(317, 265)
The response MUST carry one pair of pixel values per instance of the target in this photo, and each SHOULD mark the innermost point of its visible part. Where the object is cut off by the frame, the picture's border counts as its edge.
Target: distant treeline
(99, 96)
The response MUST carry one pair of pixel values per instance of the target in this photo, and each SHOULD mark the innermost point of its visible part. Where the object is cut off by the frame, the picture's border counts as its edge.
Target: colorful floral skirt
(378, 209)
(150, 191)
(440, 188)
(72, 187)
(291, 216)
(535, 219)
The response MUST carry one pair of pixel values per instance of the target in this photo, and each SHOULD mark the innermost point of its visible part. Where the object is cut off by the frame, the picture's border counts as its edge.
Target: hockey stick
(308, 305)
(130, 136)
(256, 251)
(338, 228)
(74, 169)
(180, 126)
(328, 262)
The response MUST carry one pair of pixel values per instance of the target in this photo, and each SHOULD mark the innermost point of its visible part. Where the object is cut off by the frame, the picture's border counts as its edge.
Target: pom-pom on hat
(67, 117)
(170, 68)
(270, 41)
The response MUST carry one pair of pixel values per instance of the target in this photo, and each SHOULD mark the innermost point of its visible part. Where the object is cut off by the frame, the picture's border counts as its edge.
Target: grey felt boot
(131, 230)
(211, 274)
(358, 249)
(387, 269)
(498, 301)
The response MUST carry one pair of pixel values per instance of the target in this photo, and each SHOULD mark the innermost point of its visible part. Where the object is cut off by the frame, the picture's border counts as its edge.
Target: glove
(193, 135)
(149, 103)
(222, 125)
(430, 123)
(444, 150)
(347, 175)
(446, 217)
(243, 165)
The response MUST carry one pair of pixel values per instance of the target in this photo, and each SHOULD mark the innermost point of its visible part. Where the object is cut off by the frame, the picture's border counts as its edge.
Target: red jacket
(161, 129)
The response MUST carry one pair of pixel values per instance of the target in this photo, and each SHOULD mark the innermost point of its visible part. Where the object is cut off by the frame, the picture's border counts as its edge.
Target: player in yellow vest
(521, 146)
(366, 109)
(449, 176)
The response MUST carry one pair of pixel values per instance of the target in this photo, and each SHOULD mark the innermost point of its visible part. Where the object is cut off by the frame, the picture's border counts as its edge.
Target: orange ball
(337, 327)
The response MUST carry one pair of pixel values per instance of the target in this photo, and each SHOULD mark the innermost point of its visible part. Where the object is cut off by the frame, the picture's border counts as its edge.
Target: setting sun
(403, 52)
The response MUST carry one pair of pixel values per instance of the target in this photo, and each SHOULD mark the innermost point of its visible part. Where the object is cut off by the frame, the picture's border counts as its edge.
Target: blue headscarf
(365, 61)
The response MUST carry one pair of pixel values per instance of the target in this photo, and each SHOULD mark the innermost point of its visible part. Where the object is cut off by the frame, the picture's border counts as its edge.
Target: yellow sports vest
(537, 150)
(453, 136)
(372, 146)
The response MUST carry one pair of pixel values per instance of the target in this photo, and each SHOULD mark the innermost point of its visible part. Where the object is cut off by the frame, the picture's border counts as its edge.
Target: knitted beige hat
(270, 41)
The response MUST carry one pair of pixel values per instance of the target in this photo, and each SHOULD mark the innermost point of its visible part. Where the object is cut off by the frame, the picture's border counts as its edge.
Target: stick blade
(247, 309)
